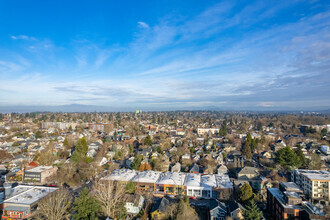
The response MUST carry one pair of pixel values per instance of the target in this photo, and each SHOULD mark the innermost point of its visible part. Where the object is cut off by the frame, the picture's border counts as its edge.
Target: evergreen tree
(86, 206)
(300, 155)
(287, 158)
(245, 192)
(137, 162)
(82, 146)
(223, 130)
(246, 151)
(38, 135)
(66, 142)
(323, 132)
(251, 211)
(147, 141)
(249, 138)
(130, 187)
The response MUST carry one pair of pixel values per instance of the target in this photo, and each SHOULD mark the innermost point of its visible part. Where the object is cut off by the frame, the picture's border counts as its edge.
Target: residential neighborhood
(166, 165)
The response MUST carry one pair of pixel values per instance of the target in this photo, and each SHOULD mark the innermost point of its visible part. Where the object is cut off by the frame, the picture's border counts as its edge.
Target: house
(235, 210)
(218, 211)
(209, 209)
(158, 211)
(266, 155)
(91, 153)
(133, 204)
(222, 169)
(129, 161)
(196, 158)
(186, 156)
(173, 149)
(325, 149)
(145, 151)
(176, 168)
(194, 168)
(247, 173)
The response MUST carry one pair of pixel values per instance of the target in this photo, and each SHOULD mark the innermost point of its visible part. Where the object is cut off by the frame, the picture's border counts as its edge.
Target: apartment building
(202, 131)
(39, 174)
(314, 183)
(285, 203)
(60, 125)
(96, 127)
(176, 183)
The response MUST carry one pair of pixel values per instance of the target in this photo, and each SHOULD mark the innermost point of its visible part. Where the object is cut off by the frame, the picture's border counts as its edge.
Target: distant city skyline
(165, 55)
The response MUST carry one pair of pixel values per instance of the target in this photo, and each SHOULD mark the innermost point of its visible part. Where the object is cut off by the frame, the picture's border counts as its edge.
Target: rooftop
(208, 181)
(315, 174)
(39, 169)
(147, 177)
(290, 186)
(30, 196)
(121, 175)
(172, 178)
(193, 180)
(223, 181)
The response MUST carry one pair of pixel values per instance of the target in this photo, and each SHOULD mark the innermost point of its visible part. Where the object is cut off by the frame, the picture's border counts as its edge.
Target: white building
(325, 149)
(133, 203)
(202, 131)
(314, 183)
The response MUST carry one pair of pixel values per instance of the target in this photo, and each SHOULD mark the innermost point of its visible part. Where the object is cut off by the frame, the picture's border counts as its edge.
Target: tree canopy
(287, 158)
(86, 206)
(245, 192)
(147, 141)
(251, 211)
(80, 150)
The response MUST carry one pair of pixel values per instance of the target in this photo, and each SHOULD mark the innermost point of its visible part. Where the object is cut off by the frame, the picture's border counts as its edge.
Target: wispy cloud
(227, 55)
(143, 24)
(23, 37)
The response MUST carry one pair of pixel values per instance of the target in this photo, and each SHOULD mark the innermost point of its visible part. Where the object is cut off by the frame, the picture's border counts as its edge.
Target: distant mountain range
(93, 108)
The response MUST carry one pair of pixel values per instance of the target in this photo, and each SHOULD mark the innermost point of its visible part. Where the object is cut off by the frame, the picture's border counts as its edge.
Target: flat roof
(171, 178)
(18, 189)
(208, 181)
(31, 196)
(315, 174)
(290, 186)
(292, 194)
(147, 177)
(193, 180)
(39, 169)
(121, 175)
(223, 181)
(276, 192)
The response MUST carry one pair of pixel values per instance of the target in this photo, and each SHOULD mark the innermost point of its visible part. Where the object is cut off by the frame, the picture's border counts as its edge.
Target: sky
(166, 55)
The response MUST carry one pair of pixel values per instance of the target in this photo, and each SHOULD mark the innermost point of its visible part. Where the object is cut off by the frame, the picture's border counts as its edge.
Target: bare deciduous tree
(111, 195)
(55, 206)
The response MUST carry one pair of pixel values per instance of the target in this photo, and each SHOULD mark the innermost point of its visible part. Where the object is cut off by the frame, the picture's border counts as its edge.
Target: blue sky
(164, 55)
